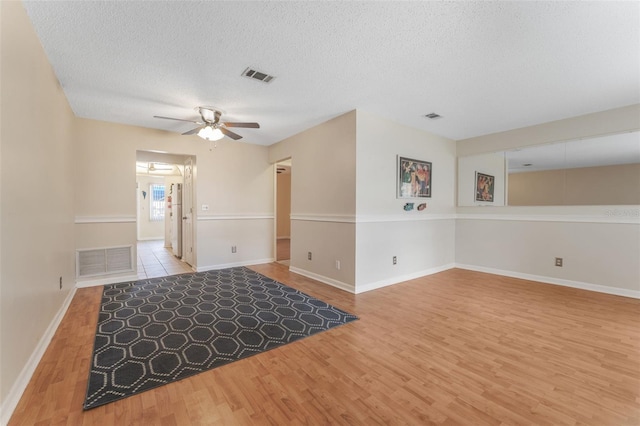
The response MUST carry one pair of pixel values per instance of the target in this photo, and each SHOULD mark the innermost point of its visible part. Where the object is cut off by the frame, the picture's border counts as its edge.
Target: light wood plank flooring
(457, 347)
(283, 249)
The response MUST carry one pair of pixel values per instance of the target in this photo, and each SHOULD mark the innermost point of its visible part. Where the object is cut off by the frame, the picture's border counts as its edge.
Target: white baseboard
(323, 279)
(617, 291)
(234, 264)
(396, 280)
(15, 393)
(151, 239)
(106, 280)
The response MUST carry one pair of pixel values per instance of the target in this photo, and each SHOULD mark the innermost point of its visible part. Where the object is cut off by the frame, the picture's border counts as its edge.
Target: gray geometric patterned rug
(156, 331)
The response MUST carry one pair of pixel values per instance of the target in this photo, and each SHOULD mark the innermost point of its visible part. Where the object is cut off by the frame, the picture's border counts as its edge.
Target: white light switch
(205, 207)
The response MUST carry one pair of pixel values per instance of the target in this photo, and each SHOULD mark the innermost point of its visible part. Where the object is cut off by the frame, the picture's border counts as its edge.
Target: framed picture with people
(413, 178)
(484, 187)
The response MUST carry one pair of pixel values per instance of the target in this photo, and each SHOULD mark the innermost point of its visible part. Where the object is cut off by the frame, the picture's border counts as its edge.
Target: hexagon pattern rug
(156, 331)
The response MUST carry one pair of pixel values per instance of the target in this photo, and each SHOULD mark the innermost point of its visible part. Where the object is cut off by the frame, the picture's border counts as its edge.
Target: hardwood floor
(283, 249)
(458, 347)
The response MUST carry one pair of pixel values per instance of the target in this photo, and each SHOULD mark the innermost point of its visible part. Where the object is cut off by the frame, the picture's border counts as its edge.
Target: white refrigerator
(176, 219)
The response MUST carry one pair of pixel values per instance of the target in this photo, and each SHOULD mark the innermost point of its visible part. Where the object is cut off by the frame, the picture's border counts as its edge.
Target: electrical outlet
(309, 255)
(234, 249)
(395, 260)
(559, 261)
(60, 283)
(338, 264)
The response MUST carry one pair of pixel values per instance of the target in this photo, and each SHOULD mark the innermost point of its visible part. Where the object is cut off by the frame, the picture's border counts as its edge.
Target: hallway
(154, 260)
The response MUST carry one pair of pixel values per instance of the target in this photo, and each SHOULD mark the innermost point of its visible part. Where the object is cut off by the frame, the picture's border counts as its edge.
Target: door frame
(189, 213)
(289, 163)
(177, 159)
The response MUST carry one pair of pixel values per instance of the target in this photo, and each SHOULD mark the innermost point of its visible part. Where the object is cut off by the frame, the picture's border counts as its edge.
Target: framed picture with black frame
(484, 187)
(413, 179)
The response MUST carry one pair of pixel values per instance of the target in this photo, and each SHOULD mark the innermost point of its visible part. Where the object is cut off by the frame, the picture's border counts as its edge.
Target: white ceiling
(484, 66)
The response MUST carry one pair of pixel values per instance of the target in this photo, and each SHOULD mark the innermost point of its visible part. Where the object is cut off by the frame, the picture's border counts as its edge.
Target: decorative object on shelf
(413, 178)
(408, 207)
(422, 206)
(484, 187)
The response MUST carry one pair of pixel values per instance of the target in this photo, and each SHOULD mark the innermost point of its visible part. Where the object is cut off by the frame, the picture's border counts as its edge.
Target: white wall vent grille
(103, 261)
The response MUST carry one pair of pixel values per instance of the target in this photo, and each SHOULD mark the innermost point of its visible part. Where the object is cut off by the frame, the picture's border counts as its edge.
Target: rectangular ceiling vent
(104, 261)
(433, 116)
(257, 75)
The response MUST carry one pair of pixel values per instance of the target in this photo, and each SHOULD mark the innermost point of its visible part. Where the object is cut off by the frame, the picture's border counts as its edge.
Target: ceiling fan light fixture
(210, 134)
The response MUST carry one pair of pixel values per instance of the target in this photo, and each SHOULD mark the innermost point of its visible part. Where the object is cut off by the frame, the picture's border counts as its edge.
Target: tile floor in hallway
(154, 260)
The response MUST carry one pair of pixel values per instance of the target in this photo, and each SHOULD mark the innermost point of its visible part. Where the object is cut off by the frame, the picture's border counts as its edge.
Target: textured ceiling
(484, 66)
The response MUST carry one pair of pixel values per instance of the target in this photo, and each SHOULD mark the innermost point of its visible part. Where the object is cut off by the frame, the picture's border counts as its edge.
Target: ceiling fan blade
(245, 125)
(176, 119)
(192, 131)
(229, 133)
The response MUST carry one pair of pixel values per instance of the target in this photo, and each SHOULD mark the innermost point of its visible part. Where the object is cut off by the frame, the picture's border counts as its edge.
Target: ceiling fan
(154, 167)
(211, 128)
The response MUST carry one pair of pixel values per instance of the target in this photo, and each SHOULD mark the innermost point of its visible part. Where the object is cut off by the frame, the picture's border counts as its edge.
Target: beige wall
(323, 178)
(600, 245)
(283, 208)
(235, 180)
(605, 185)
(323, 197)
(36, 218)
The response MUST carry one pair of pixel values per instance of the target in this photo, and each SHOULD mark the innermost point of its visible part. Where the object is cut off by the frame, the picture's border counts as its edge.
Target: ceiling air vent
(433, 116)
(257, 75)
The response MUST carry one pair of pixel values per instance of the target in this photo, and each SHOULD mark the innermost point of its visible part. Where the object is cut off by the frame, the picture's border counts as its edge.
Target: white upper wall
(490, 164)
(379, 142)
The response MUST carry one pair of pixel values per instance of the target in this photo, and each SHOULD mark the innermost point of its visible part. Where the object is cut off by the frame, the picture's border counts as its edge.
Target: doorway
(283, 212)
(164, 246)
